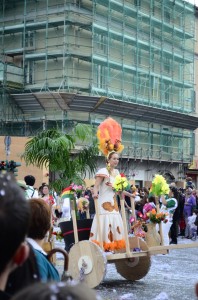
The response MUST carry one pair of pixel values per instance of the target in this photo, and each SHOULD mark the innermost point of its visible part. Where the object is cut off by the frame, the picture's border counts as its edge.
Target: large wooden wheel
(134, 268)
(87, 262)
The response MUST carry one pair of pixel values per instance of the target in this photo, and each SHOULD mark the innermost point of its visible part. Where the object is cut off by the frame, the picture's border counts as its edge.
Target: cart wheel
(134, 268)
(87, 262)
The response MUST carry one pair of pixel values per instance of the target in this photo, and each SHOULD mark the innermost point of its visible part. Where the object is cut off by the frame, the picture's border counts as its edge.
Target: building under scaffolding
(83, 60)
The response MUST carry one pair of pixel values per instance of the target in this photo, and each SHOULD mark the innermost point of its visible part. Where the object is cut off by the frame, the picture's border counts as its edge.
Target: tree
(69, 155)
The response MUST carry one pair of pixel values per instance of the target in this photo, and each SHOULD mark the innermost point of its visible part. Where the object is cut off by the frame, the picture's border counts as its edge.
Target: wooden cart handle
(98, 222)
(125, 225)
(65, 254)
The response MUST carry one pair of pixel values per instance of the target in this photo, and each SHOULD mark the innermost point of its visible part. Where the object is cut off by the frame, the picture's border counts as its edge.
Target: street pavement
(171, 277)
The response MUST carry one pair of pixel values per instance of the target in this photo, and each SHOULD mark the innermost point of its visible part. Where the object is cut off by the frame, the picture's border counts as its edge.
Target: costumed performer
(168, 205)
(111, 225)
(49, 199)
(66, 197)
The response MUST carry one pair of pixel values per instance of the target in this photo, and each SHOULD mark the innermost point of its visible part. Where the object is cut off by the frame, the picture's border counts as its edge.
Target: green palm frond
(83, 132)
(58, 151)
(87, 158)
(46, 147)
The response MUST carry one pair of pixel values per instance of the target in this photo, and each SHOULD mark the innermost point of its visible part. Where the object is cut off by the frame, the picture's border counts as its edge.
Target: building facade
(82, 60)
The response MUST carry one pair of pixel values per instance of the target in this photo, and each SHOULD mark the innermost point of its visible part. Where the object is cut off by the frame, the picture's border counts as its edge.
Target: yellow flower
(120, 183)
(159, 186)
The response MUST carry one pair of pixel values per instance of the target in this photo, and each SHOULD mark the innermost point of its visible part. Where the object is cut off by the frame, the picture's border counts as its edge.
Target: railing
(158, 153)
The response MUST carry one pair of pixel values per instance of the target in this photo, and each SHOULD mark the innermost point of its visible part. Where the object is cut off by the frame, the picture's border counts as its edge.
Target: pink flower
(140, 214)
(132, 219)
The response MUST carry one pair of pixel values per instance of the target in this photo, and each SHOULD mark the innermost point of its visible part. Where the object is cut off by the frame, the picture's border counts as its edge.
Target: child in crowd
(149, 205)
(191, 225)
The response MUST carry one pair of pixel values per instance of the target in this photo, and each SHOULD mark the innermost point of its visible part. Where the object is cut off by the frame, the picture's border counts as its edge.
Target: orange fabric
(115, 245)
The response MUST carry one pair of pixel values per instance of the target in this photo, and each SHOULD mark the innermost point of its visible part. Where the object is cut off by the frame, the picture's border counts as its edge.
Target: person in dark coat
(14, 219)
(89, 193)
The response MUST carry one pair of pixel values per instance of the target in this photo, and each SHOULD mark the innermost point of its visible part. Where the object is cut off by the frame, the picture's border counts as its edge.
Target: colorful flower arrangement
(77, 188)
(139, 227)
(120, 183)
(59, 235)
(156, 217)
(83, 204)
(159, 186)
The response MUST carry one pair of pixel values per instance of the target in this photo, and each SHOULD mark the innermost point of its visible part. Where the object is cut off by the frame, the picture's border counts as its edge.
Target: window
(165, 140)
(167, 16)
(155, 87)
(137, 57)
(167, 65)
(101, 42)
(99, 76)
(29, 72)
(166, 92)
(137, 3)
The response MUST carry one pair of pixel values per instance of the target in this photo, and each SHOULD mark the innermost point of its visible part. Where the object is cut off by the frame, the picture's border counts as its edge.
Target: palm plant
(64, 154)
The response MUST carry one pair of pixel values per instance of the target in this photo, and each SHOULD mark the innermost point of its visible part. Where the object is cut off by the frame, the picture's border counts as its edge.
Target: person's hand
(109, 184)
(95, 196)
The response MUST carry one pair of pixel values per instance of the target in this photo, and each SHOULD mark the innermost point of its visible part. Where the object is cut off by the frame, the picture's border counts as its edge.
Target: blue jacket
(46, 269)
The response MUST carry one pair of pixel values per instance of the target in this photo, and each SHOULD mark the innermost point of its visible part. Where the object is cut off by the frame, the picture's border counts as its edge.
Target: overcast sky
(193, 1)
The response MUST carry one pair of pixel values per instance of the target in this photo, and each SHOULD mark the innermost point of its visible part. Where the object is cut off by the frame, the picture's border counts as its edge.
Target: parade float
(88, 261)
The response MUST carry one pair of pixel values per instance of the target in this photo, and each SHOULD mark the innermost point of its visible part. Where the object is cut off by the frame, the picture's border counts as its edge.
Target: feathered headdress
(109, 135)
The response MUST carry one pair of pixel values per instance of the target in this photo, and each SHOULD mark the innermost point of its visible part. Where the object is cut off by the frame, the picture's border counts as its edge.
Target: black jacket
(4, 296)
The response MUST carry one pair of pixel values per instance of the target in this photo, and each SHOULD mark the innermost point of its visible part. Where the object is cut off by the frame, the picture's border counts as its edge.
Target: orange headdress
(109, 136)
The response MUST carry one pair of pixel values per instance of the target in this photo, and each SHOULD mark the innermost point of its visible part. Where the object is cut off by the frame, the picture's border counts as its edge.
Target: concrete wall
(16, 150)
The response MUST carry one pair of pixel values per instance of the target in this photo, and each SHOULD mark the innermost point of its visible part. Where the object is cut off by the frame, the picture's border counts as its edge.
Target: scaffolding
(134, 51)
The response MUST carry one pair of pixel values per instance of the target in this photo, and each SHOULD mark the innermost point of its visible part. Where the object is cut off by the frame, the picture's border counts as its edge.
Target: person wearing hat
(109, 231)
(31, 192)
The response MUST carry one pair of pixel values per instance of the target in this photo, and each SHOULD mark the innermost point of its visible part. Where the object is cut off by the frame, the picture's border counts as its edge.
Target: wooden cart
(88, 261)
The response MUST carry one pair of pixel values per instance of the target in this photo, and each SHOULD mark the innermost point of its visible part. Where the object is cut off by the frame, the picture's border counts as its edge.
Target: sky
(193, 2)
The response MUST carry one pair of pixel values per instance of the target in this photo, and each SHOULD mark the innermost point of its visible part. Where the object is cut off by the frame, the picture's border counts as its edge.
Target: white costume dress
(110, 219)
(169, 208)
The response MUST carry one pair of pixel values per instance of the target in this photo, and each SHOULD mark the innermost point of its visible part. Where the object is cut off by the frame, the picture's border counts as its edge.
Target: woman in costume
(49, 199)
(111, 225)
